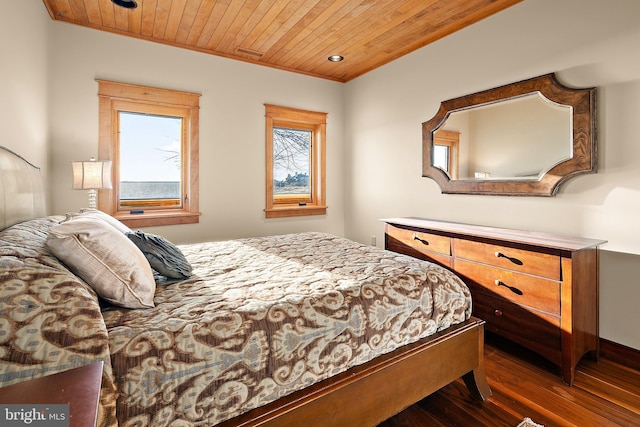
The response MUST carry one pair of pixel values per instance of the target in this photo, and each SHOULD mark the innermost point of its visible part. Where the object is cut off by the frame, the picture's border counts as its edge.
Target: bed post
(476, 380)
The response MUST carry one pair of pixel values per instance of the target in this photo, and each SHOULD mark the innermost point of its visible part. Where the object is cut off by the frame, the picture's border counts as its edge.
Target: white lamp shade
(92, 174)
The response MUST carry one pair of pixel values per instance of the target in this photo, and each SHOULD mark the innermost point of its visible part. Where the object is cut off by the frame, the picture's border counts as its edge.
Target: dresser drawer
(536, 292)
(419, 240)
(536, 263)
(535, 330)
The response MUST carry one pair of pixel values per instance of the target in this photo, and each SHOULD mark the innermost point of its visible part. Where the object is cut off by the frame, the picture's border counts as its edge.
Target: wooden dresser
(537, 289)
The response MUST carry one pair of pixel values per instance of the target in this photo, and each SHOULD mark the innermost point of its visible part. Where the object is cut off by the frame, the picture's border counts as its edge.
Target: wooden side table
(79, 388)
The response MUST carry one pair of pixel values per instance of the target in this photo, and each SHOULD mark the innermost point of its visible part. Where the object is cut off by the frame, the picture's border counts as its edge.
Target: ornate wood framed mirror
(521, 139)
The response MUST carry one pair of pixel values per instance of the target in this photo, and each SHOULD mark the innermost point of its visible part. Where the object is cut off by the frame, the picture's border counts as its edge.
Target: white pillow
(95, 213)
(106, 259)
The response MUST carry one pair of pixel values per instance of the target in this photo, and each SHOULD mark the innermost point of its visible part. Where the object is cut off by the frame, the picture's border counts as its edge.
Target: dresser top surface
(549, 240)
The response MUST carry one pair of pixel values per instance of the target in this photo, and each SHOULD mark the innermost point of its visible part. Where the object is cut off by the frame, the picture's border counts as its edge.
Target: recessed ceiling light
(335, 58)
(127, 4)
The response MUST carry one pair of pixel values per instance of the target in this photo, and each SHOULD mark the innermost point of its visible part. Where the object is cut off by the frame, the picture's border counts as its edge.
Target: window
(441, 157)
(295, 162)
(151, 136)
(445, 151)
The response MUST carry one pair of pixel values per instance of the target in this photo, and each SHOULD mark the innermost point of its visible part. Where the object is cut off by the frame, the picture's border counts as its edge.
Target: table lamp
(91, 175)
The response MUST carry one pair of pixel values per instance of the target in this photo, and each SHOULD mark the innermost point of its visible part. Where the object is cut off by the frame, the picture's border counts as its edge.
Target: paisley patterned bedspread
(50, 321)
(264, 317)
(259, 319)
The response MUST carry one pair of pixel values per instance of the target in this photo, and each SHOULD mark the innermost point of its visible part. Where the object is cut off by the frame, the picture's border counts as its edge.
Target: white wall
(24, 38)
(589, 43)
(232, 126)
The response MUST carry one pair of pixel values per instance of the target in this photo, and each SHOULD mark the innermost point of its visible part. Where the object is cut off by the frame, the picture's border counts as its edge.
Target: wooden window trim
(278, 116)
(113, 94)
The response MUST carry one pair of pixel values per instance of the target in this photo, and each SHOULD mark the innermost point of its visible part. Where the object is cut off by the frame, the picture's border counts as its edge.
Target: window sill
(295, 210)
(156, 218)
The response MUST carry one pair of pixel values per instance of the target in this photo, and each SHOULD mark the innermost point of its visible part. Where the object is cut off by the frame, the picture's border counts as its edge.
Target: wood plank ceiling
(293, 35)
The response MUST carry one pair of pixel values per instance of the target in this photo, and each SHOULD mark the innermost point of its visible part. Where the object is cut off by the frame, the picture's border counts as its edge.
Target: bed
(288, 330)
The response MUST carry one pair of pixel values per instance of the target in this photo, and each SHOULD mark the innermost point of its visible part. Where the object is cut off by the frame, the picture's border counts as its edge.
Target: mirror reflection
(519, 138)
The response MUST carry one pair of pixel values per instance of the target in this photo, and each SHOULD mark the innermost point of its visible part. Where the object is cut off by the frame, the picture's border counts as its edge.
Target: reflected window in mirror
(446, 146)
(441, 157)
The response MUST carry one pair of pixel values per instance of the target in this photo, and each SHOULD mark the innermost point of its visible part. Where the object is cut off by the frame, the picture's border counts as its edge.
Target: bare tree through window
(295, 162)
(291, 160)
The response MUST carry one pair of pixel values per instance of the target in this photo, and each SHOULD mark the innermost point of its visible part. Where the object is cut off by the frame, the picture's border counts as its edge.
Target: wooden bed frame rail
(371, 393)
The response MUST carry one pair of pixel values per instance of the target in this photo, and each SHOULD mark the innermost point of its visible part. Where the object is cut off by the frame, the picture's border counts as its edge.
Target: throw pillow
(97, 214)
(163, 256)
(106, 259)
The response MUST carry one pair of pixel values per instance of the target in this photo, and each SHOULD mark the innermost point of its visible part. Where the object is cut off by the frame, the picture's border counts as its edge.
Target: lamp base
(93, 197)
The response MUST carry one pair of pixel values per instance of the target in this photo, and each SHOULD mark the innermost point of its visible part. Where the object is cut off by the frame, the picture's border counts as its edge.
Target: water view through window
(149, 157)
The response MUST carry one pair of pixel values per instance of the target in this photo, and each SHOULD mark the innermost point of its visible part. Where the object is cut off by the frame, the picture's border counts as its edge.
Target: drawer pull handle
(424, 242)
(516, 261)
(511, 288)
(498, 312)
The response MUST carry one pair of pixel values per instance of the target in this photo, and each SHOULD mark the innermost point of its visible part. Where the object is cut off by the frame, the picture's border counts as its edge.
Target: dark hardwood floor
(604, 394)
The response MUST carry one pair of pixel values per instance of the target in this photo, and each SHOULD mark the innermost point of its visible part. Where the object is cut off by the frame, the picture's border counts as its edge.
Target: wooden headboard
(21, 190)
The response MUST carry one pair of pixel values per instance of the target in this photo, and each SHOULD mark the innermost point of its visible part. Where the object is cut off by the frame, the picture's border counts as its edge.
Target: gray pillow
(163, 256)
